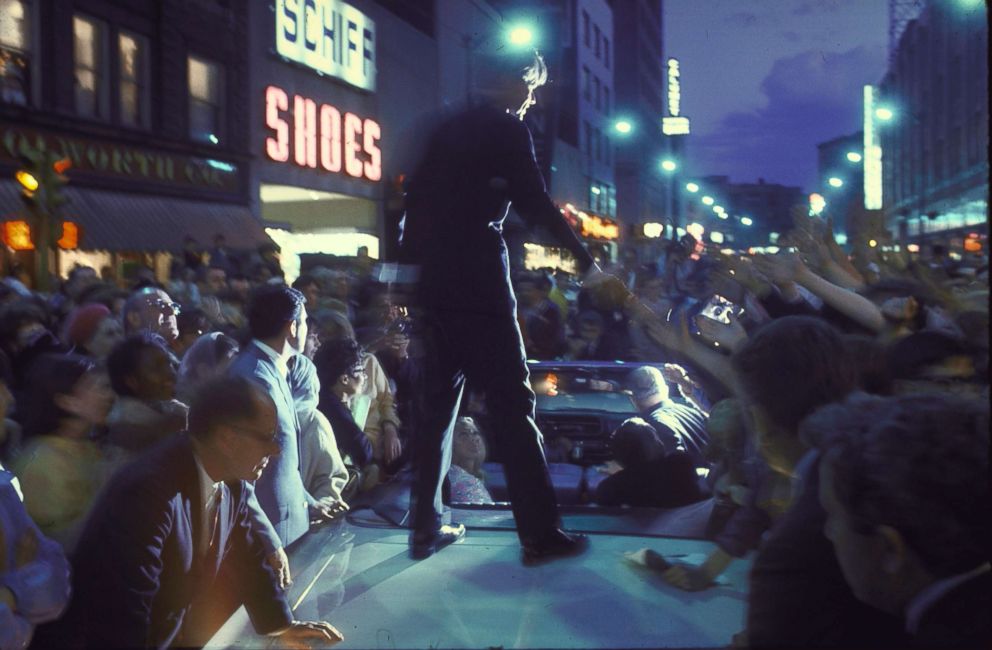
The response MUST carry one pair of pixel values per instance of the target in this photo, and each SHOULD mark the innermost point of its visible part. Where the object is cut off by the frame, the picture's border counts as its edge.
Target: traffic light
(30, 177)
(56, 180)
(42, 177)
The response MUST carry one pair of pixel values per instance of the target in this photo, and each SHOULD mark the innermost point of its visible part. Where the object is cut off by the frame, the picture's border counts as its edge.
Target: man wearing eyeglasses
(173, 537)
(153, 310)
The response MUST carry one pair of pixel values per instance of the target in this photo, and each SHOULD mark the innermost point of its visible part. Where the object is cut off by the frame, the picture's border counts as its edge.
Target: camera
(401, 325)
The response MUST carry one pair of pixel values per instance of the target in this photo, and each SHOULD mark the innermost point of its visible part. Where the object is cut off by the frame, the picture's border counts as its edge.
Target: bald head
(152, 309)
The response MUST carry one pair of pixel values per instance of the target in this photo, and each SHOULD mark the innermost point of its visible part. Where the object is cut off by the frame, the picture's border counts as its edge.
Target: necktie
(211, 515)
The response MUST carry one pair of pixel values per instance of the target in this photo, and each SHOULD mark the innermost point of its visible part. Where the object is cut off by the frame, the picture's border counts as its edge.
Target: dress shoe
(423, 547)
(558, 544)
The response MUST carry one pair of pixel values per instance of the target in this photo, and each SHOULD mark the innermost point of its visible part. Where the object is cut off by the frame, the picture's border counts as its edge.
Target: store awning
(119, 221)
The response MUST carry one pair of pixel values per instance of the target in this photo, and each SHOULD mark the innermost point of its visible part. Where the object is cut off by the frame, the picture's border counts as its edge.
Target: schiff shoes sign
(329, 36)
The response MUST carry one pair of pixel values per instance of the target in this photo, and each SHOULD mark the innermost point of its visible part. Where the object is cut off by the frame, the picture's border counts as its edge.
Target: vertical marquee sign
(674, 123)
(329, 36)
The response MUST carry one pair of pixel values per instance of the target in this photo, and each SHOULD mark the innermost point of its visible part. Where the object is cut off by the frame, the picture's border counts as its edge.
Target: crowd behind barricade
(832, 406)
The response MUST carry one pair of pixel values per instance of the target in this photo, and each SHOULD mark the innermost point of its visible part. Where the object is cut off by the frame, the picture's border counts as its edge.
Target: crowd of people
(837, 405)
(163, 443)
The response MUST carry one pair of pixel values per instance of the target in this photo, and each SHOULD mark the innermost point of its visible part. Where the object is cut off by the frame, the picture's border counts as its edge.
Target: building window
(606, 100)
(597, 37)
(598, 92)
(588, 143)
(206, 89)
(607, 149)
(586, 84)
(585, 27)
(15, 56)
(90, 47)
(599, 146)
(133, 83)
(606, 52)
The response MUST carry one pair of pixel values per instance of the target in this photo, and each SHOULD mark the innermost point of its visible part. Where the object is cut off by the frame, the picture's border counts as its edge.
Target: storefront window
(205, 101)
(133, 80)
(15, 58)
(89, 37)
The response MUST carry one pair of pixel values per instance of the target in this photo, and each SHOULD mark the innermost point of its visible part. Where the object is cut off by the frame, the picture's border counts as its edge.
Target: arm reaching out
(789, 267)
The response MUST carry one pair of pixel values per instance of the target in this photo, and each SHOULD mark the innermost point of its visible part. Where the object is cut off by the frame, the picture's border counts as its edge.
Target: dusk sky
(764, 81)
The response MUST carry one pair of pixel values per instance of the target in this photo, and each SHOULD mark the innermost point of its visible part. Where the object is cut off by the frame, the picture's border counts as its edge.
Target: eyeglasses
(260, 436)
(165, 306)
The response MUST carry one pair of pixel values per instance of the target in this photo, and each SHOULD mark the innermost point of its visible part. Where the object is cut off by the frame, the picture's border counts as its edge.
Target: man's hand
(309, 634)
(610, 468)
(782, 268)
(391, 445)
(676, 374)
(329, 508)
(398, 345)
(687, 577)
(607, 291)
(280, 564)
(649, 558)
(729, 336)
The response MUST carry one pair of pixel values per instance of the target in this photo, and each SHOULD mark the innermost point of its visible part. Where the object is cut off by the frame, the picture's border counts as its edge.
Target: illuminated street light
(723, 215)
(623, 126)
(520, 35)
(708, 200)
(884, 114)
(746, 221)
(716, 237)
(692, 187)
(669, 165)
(854, 156)
(718, 209)
(835, 182)
(595, 190)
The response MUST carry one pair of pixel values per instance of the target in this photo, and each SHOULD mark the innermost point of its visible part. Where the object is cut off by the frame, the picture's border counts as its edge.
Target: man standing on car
(477, 162)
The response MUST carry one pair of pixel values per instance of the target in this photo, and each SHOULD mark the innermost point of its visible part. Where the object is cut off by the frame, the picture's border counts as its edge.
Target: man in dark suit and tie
(173, 521)
(277, 320)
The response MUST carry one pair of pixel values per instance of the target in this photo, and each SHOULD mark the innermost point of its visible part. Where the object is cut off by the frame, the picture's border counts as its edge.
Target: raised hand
(783, 268)
(607, 291)
(726, 335)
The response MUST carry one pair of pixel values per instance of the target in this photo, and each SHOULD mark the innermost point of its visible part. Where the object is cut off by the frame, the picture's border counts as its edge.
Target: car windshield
(583, 389)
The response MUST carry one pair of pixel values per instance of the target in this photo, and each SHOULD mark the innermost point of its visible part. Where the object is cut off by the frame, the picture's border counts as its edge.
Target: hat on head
(83, 323)
(646, 382)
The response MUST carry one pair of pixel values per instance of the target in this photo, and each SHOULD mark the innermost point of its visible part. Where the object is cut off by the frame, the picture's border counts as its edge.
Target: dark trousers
(486, 350)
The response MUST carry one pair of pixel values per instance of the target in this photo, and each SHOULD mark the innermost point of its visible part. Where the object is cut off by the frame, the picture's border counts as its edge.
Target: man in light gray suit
(277, 321)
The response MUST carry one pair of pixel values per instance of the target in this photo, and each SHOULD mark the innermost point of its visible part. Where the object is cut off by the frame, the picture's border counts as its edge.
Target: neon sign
(321, 137)
(329, 36)
(872, 155)
(674, 89)
(675, 123)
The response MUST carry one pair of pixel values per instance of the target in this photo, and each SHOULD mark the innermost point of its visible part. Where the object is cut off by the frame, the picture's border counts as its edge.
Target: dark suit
(960, 619)
(666, 482)
(280, 491)
(475, 163)
(798, 596)
(136, 571)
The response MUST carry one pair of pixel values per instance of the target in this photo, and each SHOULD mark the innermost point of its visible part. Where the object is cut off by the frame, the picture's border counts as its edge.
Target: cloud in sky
(811, 97)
